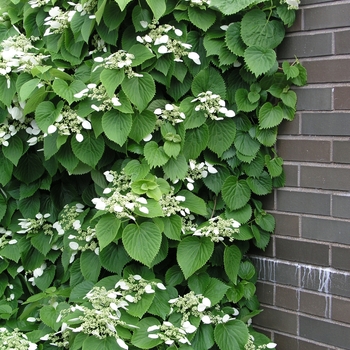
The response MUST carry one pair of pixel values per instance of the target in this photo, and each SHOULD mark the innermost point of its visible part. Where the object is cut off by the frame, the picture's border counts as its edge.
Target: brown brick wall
(304, 274)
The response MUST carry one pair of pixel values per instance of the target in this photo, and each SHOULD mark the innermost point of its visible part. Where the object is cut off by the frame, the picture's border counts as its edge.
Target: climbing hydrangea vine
(137, 140)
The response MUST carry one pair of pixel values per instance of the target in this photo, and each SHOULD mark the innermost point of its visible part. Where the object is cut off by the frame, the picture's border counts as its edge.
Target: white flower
(144, 24)
(161, 40)
(122, 344)
(204, 304)
(79, 137)
(163, 49)
(31, 319)
(292, 4)
(206, 319)
(153, 328)
(188, 327)
(153, 336)
(194, 57)
(148, 289)
(73, 245)
(161, 286)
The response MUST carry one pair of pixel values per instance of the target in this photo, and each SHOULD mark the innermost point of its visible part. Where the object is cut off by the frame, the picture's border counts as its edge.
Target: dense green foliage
(136, 142)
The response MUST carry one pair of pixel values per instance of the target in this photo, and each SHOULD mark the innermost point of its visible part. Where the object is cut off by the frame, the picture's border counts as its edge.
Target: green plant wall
(136, 144)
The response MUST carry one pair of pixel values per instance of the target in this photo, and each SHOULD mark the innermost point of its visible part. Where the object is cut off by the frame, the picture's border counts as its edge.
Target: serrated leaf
(158, 7)
(44, 281)
(243, 102)
(232, 259)
(221, 135)
(46, 113)
(209, 79)
(28, 87)
(290, 71)
(114, 257)
(236, 193)
(259, 60)
(267, 137)
(141, 54)
(14, 150)
(117, 126)
(67, 91)
(142, 242)
(266, 222)
(6, 169)
(107, 343)
(90, 150)
(90, 265)
(287, 15)
(194, 203)
(29, 168)
(140, 336)
(7, 89)
(107, 229)
(231, 335)
(154, 154)
(289, 98)
(195, 142)
(301, 79)
(193, 253)
(234, 40)
(246, 270)
(270, 116)
(176, 168)
(111, 79)
(203, 19)
(245, 144)
(257, 30)
(174, 276)
(274, 166)
(241, 215)
(215, 181)
(261, 185)
(230, 7)
(140, 90)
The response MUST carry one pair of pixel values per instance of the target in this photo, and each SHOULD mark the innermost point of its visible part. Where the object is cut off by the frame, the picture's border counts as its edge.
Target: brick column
(304, 275)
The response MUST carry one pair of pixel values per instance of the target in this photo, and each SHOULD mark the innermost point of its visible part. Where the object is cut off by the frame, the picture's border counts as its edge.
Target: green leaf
(193, 253)
(90, 150)
(90, 265)
(3, 206)
(44, 281)
(194, 203)
(289, 98)
(117, 126)
(261, 185)
(274, 166)
(46, 113)
(215, 181)
(113, 258)
(270, 116)
(234, 40)
(11, 252)
(194, 119)
(203, 19)
(267, 137)
(172, 149)
(243, 102)
(42, 242)
(79, 291)
(209, 79)
(286, 15)
(231, 335)
(6, 169)
(242, 215)
(172, 227)
(229, 7)
(49, 315)
(174, 276)
(236, 193)
(215, 290)
(29, 168)
(257, 30)
(195, 142)
(14, 150)
(158, 7)
(176, 168)
(111, 79)
(266, 222)
(28, 87)
(154, 154)
(108, 343)
(290, 71)
(107, 229)
(221, 135)
(7, 89)
(142, 242)
(140, 336)
(232, 259)
(67, 91)
(246, 270)
(29, 207)
(259, 60)
(140, 90)
(301, 79)
(141, 54)
(245, 144)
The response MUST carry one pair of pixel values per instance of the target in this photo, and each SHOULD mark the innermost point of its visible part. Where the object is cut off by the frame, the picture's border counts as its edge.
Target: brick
(300, 251)
(292, 175)
(340, 284)
(265, 292)
(304, 150)
(327, 230)
(340, 310)
(315, 304)
(325, 332)
(290, 128)
(314, 99)
(286, 225)
(326, 178)
(315, 278)
(311, 2)
(314, 45)
(324, 124)
(303, 202)
(342, 40)
(341, 258)
(285, 342)
(334, 16)
(268, 201)
(286, 298)
(328, 70)
(341, 97)
(341, 206)
(341, 152)
(277, 319)
(276, 271)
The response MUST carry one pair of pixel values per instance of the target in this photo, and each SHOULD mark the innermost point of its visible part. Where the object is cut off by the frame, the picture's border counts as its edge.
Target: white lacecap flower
(163, 49)
(271, 345)
(194, 57)
(144, 210)
(161, 286)
(153, 336)
(137, 277)
(188, 327)
(122, 285)
(204, 304)
(129, 298)
(148, 289)
(206, 319)
(31, 319)
(142, 200)
(144, 24)
(122, 343)
(109, 177)
(153, 328)
(73, 245)
(180, 198)
(79, 137)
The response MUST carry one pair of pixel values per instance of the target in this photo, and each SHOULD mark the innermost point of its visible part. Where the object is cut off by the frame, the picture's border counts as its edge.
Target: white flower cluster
(89, 6)
(37, 272)
(199, 3)
(15, 122)
(15, 339)
(172, 204)
(159, 37)
(17, 54)
(36, 225)
(170, 113)
(99, 94)
(58, 20)
(218, 228)
(198, 171)
(118, 60)
(250, 345)
(213, 106)
(98, 43)
(37, 3)
(170, 333)
(121, 201)
(6, 238)
(68, 122)
(292, 4)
